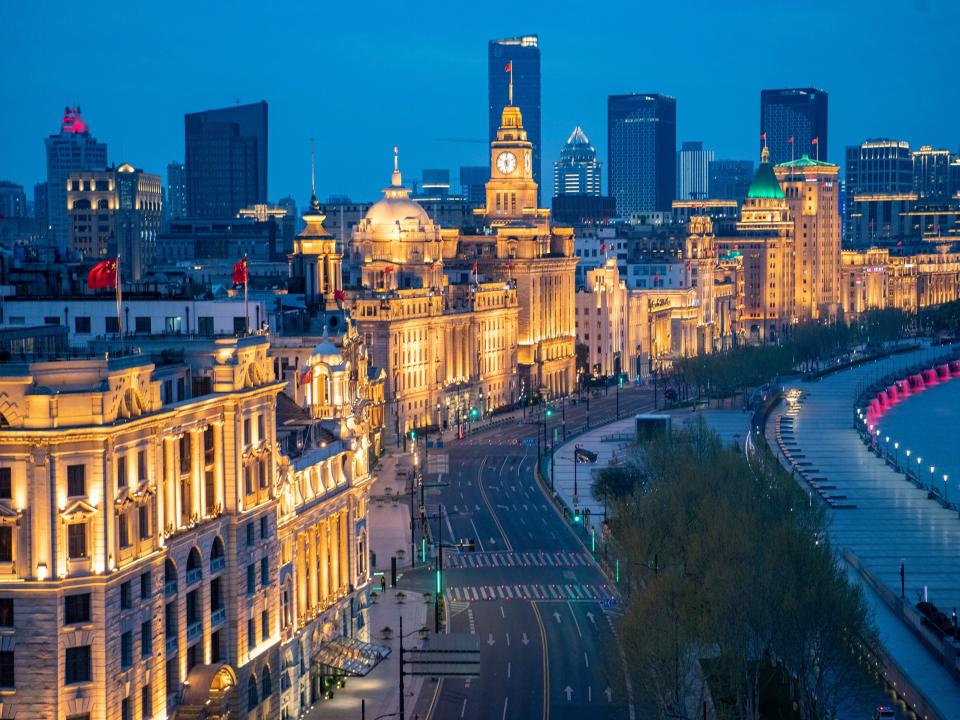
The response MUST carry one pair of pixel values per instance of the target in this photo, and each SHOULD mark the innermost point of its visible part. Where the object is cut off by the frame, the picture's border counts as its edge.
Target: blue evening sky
(364, 76)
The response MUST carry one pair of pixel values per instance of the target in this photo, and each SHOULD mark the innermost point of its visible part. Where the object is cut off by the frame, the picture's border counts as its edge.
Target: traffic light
(549, 411)
(413, 434)
(474, 412)
(620, 380)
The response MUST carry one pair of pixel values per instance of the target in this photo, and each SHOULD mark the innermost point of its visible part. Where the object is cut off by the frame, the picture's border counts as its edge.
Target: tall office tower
(577, 172)
(13, 201)
(70, 150)
(931, 175)
(729, 179)
(226, 160)
(798, 113)
(693, 171)
(812, 191)
(641, 152)
(879, 187)
(522, 53)
(40, 203)
(116, 212)
(434, 183)
(764, 239)
(473, 183)
(176, 206)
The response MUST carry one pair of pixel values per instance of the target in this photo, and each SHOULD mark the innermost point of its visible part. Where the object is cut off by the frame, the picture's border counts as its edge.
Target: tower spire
(313, 171)
(396, 180)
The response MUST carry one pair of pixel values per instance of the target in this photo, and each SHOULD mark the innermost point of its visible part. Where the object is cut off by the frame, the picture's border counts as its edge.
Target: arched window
(216, 555)
(170, 576)
(193, 560)
(266, 684)
(252, 699)
(103, 204)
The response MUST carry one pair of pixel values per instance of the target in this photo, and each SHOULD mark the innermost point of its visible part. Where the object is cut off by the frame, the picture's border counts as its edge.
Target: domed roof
(396, 205)
(765, 184)
(327, 352)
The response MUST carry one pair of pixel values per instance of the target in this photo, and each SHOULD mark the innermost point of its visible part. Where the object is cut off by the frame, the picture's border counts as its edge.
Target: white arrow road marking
(493, 541)
(569, 692)
(476, 508)
(609, 693)
(589, 694)
(525, 640)
(557, 616)
(590, 617)
(490, 640)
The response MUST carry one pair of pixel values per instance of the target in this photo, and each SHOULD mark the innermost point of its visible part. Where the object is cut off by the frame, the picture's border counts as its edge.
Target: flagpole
(511, 82)
(246, 307)
(119, 292)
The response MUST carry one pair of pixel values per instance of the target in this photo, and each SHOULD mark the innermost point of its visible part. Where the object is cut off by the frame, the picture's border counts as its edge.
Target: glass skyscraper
(524, 53)
(798, 113)
(225, 160)
(641, 152)
(693, 171)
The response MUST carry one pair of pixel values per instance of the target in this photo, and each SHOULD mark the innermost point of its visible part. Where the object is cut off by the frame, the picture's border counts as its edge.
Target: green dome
(765, 184)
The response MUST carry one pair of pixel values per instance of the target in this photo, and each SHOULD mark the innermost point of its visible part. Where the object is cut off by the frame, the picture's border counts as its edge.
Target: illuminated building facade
(71, 150)
(523, 52)
(931, 175)
(162, 554)
(446, 341)
(522, 248)
(811, 189)
(116, 212)
(176, 201)
(13, 201)
(764, 238)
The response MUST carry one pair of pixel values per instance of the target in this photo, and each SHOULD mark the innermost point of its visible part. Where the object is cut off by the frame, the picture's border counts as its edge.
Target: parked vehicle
(884, 712)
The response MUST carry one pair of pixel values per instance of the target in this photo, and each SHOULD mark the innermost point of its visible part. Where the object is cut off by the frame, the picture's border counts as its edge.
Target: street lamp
(919, 461)
(932, 468)
(888, 447)
(945, 478)
(896, 451)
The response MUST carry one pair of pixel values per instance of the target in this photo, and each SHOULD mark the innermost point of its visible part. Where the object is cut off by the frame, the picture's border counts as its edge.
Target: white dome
(327, 352)
(384, 214)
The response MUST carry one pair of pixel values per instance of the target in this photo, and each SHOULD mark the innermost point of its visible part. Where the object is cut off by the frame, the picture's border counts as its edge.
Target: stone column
(170, 492)
(42, 537)
(324, 572)
(302, 597)
(345, 576)
(334, 544)
(197, 490)
(218, 465)
(311, 560)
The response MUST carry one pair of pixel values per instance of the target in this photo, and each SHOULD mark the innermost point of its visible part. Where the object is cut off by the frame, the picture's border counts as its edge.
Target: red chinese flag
(815, 141)
(508, 67)
(339, 295)
(306, 376)
(763, 137)
(240, 271)
(103, 275)
(790, 139)
(475, 267)
(603, 248)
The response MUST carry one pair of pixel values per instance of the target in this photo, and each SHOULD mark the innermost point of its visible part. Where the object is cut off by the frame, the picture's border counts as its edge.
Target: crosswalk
(568, 592)
(517, 559)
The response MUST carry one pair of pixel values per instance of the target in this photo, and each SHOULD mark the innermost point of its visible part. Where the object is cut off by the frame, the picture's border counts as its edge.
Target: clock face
(506, 162)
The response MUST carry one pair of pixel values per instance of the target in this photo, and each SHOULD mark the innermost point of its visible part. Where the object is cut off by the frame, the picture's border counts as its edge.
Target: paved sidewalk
(885, 520)
(389, 523)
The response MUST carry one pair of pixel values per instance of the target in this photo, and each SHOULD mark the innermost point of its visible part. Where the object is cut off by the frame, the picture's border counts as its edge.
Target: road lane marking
(574, 616)
(476, 534)
(505, 700)
(486, 500)
(463, 710)
(546, 662)
(585, 660)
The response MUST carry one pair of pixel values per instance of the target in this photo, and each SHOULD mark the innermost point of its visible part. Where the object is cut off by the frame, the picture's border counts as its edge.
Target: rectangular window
(264, 528)
(181, 389)
(81, 324)
(6, 483)
(6, 612)
(126, 598)
(125, 709)
(146, 638)
(173, 676)
(143, 518)
(261, 435)
(205, 326)
(6, 543)
(250, 533)
(126, 650)
(142, 325)
(146, 703)
(239, 325)
(7, 679)
(247, 440)
(51, 320)
(172, 325)
(123, 524)
(264, 572)
(170, 619)
(111, 325)
(76, 480)
(142, 466)
(265, 624)
(77, 666)
(146, 585)
(76, 609)
(251, 633)
(251, 579)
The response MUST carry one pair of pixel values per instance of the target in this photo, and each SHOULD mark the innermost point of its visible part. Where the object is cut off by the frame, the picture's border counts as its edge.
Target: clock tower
(511, 190)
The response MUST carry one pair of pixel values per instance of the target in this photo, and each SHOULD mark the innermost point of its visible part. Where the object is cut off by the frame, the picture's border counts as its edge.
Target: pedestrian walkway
(517, 559)
(876, 513)
(542, 592)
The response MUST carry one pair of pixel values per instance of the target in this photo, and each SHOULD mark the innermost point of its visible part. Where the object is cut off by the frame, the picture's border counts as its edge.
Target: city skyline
(354, 152)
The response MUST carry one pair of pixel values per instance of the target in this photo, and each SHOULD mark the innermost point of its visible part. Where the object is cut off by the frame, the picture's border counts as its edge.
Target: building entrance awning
(350, 656)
